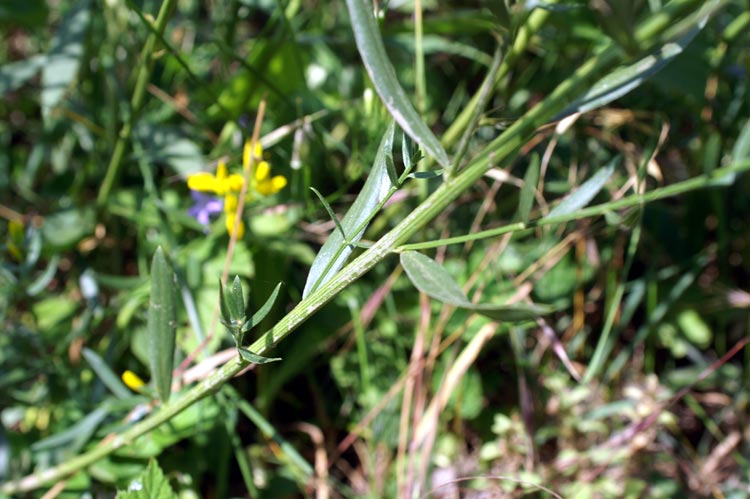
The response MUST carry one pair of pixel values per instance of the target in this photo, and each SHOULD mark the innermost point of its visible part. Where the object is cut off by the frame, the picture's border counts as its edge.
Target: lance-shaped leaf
(585, 193)
(106, 375)
(528, 191)
(162, 324)
(431, 278)
(383, 76)
(625, 79)
(263, 311)
(336, 250)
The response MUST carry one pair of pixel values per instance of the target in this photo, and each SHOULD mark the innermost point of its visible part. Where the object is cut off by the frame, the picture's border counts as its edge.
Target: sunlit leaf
(383, 76)
(335, 251)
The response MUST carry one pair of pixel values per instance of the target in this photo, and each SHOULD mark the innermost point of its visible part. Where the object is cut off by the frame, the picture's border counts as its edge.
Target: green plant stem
(535, 21)
(698, 182)
(500, 149)
(136, 102)
(421, 85)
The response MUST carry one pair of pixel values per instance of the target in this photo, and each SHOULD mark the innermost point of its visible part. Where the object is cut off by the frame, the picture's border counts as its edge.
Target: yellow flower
(132, 381)
(230, 213)
(264, 184)
(229, 186)
(221, 183)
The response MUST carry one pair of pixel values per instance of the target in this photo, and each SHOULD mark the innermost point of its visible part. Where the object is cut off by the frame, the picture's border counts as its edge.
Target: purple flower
(204, 207)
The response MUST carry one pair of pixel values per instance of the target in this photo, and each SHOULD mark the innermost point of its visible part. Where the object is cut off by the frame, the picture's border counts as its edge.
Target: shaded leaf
(105, 374)
(335, 251)
(383, 76)
(77, 435)
(162, 324)
(585, 193)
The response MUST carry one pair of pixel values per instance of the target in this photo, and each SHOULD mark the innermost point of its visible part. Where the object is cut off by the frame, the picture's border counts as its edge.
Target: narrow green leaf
(254, 358)
(162, 324)
(77, 435)
(226, 315)
(330, 212)
(528, 191)
(105, 374)
(383, 76)
(585, 193)
(41, 282)
(625, 79)
(262, 311)
(517, 312)
(337, 249)
(152, 484)
(237, 302)
(431, 278)
(427, 175)
(740, 151)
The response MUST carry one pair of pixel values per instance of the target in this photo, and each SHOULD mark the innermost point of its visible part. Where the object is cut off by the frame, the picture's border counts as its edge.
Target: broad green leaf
(254, 358)
(432, 279)
(335, 251)
(585, 193)
(106, 375)
(162, 324)
(64, 58)
(383, 76)
(262, 311)
(152, 484)
(15, 74)
(625, 79)
(528, 191)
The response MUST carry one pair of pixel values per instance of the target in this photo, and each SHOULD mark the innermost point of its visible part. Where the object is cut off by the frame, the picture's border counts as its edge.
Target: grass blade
(383, 76)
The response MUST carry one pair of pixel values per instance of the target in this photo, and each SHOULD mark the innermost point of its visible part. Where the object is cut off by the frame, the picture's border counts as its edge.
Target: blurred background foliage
(74, 282)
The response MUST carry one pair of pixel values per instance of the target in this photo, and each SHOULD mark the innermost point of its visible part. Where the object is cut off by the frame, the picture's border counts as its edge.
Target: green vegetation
(403, 250)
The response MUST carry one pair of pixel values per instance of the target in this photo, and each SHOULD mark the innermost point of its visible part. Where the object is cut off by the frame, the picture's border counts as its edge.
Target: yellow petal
(234, 182)
(271, 186)
(262, 170)
(221, 170)
(246, 153)
(204, 182)
(230, 204)
(132, 381)
(230, 225)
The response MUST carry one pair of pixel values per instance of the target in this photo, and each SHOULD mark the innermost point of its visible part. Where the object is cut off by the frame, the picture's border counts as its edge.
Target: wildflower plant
(417, 353)
(227, 188)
